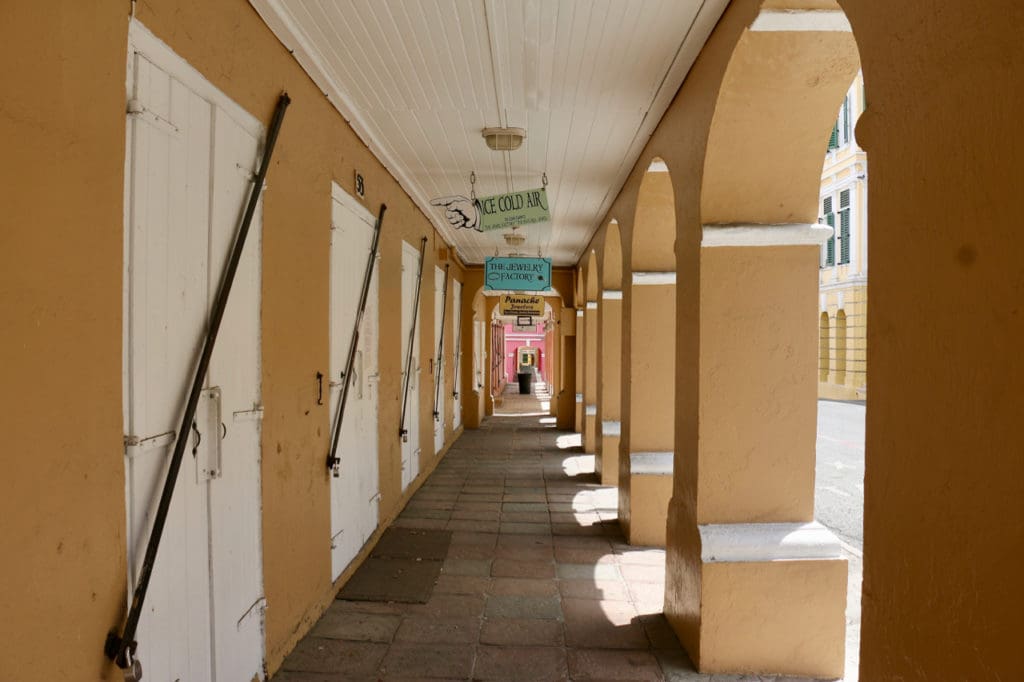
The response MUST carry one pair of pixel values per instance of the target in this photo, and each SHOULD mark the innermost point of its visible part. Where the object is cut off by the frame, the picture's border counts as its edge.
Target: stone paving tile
(532, 553)
(588, 571)
(525, 528)
(431, 630)
(510, 568)
(516, 606)
(475, 515)
(583, 555)
(529, 664)
(640, 573)
(339, 623)
(607, 590)
(600, 664)
(525, 517)
(462, 584)
(477, 567)
(428, 660)
(522, 632)
(473, 526)
(472, 552)
(525, 587)
(525, 541)
(442, 605)
(317, 655)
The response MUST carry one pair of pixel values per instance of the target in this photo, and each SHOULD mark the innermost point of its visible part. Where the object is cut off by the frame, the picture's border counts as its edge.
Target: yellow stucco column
(609, 382)
(752, 583)
(590, 418)
(645, 447)
(580, 356)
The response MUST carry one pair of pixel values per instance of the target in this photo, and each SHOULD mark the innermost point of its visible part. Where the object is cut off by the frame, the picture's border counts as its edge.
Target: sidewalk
(508, 564)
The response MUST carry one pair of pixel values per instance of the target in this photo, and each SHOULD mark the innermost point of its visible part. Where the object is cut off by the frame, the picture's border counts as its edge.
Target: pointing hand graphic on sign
(461, 212)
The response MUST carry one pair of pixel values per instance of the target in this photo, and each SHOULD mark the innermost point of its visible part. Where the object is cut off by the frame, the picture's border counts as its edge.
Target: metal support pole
(121, 649)
(402, 432)
(346, 376)
(440, 345)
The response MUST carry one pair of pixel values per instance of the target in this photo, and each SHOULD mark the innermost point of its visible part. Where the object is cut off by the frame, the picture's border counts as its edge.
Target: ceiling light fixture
(504, 139)
(514, 238)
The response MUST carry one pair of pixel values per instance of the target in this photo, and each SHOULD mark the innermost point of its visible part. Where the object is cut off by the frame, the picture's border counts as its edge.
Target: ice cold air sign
(517, 274)
(503, 211)
(496, 212)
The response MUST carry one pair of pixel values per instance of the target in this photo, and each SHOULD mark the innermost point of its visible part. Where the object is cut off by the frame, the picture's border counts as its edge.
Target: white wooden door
(354, 493)
(456, 346)
(440, 396)
(411, 445)
(190, 156)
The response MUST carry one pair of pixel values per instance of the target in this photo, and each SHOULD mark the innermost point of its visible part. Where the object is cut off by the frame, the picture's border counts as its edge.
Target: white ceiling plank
(588, 79)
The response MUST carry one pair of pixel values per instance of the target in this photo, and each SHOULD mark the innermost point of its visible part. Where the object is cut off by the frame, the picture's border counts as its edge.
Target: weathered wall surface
(63, 132)
(944, 478)
(62, 500)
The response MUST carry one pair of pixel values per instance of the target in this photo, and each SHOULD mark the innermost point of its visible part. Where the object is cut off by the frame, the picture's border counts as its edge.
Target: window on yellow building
(830, 220)
(842, 129)
(844, 227)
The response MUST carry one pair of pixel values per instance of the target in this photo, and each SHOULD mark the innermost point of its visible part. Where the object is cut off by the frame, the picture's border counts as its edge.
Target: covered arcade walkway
(509, 563)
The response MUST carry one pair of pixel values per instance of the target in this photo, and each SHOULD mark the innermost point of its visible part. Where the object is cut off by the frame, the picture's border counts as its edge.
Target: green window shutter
(844, 227)
(846, 120)
(830, 251)
(844, 236)
(833, 140)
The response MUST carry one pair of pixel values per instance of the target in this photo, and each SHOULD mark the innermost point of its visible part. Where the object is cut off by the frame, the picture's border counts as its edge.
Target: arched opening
(609, 381)
(648, 373)
(746, 430)
(840, 372)
(823, 348)
(590, 343)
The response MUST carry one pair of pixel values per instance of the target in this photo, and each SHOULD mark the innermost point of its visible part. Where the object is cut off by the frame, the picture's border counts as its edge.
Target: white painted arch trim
(591, 305)
(650, 463)
(579, 397)
(579, 313)
(611, 428)
(801, 20)
(612, 294)
(590, 410)
(745, 542)
(789, 234)
(653, 278)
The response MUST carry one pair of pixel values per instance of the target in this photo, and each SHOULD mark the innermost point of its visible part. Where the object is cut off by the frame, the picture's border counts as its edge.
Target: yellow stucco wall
(64, 140)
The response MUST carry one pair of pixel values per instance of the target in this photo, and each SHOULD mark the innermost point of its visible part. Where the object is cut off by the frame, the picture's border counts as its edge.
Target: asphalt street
(839, 476)
(839, 503)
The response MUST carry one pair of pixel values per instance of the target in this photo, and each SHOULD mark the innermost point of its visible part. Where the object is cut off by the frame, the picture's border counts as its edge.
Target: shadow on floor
(535, 581)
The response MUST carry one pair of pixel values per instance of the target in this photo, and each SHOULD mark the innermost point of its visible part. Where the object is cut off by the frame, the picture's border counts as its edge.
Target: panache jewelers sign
(504, 211)
(517, 274)
(521, 305)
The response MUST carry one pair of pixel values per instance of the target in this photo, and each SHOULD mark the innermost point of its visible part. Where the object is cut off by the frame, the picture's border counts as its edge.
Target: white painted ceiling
(419, 79)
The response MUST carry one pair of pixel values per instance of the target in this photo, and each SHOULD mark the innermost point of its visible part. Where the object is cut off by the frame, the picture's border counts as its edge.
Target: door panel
(439, 393)
(411, 447)
(187, 180)
(354, 498)
(457, 351)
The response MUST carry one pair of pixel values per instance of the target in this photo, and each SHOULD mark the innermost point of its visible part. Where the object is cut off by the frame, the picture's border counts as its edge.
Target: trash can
(525, 379)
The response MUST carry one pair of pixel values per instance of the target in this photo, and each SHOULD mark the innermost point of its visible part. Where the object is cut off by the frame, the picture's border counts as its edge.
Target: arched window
(841, 347)
(823, 343)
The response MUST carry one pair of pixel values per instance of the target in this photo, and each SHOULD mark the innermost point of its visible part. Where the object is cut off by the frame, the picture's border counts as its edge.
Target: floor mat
(404, 567)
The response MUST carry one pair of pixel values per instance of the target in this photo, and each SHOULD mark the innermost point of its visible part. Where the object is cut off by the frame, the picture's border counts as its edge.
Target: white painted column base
(744, 542)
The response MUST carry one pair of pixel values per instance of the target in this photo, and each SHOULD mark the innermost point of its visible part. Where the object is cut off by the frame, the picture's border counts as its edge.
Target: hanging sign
(505, 211)
(521, 305)
(517, 274)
